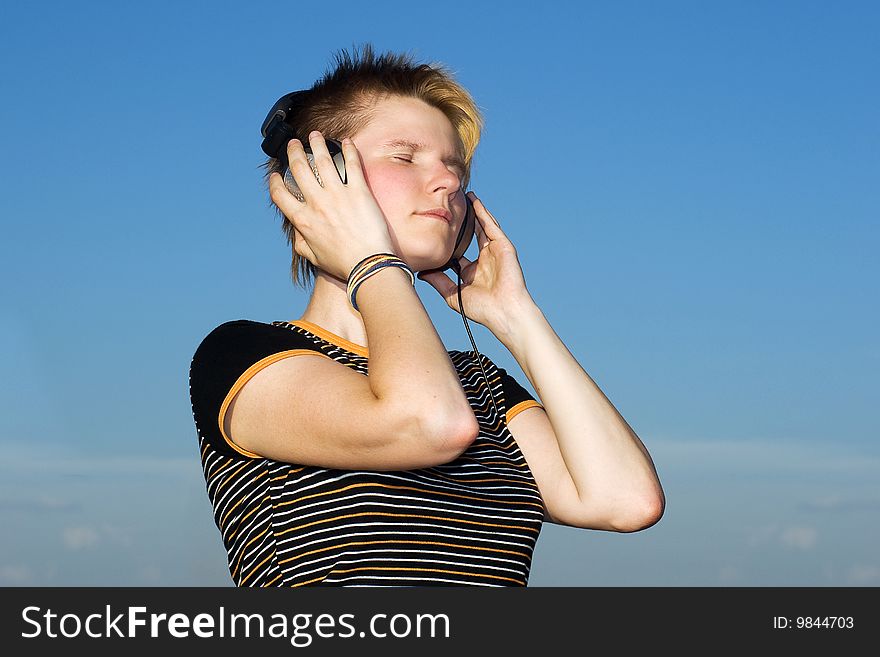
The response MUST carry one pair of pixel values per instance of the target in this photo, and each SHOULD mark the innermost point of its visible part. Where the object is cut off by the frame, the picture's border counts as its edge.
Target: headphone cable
(457, 267)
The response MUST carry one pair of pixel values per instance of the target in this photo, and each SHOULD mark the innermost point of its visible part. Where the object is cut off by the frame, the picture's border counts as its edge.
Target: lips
(439, 213)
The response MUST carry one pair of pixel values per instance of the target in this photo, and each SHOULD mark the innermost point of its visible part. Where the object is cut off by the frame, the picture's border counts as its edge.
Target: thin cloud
(15, 575)
(841, 504)
(729, 575)
(38, 504)
(743, 457)
(762, 535)
(78, 538)
(117, 535)
(801, 538)
(60, 460)
(864, 575)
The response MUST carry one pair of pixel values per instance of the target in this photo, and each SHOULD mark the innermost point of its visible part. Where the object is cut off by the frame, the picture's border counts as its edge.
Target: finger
(488, 222)
(464, 262)
(302, 247)
(326, 167)
(353, 166)
(440, 282)
(302, 169)
(468, 271)
(482, 239)
(282, 198)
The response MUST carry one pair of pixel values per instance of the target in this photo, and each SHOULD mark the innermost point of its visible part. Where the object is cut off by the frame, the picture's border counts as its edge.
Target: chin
(424, 261)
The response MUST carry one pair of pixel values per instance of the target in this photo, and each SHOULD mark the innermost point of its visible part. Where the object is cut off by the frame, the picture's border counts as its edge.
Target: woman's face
(413, 164)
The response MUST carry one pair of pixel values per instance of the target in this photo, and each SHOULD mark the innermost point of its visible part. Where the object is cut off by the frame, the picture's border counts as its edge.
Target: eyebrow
(417, 146)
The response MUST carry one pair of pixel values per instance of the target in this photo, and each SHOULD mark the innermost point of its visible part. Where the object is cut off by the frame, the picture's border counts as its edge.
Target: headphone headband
(276, 129)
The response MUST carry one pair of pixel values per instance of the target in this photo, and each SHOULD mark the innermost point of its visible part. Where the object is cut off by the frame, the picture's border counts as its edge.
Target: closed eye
(408, 158)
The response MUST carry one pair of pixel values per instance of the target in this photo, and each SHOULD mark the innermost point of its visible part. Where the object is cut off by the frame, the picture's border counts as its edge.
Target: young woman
(349, 447)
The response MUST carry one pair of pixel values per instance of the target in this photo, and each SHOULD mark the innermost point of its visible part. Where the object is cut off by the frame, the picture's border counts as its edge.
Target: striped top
(472, 521)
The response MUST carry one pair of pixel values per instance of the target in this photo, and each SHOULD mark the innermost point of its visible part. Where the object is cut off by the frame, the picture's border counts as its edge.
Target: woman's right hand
(339, 224)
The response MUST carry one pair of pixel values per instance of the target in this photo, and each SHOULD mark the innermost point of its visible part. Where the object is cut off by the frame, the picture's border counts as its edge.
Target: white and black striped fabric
(473, 521)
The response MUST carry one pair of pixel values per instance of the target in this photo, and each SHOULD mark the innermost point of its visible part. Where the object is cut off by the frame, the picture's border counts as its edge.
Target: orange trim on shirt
(519, 408)
(247, 376)
(339, 341)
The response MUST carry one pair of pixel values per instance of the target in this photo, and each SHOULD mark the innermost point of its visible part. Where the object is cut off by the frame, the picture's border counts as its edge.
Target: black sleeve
(222, 357)
(514, 393)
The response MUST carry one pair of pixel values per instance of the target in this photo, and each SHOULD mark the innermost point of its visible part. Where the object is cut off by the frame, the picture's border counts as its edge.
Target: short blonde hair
(339, 105)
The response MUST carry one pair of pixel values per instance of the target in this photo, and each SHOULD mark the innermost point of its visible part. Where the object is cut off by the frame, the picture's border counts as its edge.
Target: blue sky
(692, 189)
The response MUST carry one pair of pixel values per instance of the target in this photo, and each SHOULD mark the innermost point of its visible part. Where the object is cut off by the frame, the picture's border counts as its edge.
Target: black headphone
(278, 129)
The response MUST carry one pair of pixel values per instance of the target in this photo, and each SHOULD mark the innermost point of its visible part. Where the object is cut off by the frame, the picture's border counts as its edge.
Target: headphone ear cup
(292, 187)
(335, 149)
(334, 146)
(463, 240)
(466, 235)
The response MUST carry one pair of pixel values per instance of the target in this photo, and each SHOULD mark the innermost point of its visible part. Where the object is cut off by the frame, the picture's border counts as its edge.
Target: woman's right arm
(410, 411)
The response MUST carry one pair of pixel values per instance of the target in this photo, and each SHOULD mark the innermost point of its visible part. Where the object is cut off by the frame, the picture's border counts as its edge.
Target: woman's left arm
(591, 468)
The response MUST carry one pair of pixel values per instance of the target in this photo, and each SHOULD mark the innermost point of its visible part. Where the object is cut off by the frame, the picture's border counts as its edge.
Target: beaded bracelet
(370, 266)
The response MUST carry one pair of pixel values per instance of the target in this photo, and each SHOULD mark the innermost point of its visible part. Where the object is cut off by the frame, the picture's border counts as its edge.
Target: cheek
(388, 186)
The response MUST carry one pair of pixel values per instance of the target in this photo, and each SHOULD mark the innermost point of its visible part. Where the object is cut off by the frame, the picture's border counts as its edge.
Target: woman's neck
(330, 309)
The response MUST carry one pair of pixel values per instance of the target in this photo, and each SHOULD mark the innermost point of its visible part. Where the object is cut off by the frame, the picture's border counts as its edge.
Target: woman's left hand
(493, 286)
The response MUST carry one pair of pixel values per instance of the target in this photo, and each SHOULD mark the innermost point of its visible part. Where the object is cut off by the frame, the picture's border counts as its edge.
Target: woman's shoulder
(230, 330)
(247, 335)
(239, 326)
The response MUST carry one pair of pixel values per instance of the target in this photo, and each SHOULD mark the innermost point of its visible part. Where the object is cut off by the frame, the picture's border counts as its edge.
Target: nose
(445, 178)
